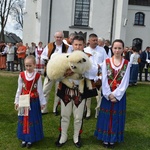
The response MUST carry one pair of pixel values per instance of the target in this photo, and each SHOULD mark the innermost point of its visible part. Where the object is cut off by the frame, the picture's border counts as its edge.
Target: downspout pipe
(50, 19)
(112, 21)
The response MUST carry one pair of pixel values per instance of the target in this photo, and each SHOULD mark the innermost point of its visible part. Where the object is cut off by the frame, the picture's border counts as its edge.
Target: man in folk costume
(68, 41)
(72, 101)
(98, 54)
(55, 47)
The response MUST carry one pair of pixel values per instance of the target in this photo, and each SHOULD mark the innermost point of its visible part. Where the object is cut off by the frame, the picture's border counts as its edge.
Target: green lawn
(137, 131)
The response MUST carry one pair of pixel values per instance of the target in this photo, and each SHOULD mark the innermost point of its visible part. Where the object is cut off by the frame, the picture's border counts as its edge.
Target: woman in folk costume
(115, 80)
(2, 55)
(39, 61)
(30, 118)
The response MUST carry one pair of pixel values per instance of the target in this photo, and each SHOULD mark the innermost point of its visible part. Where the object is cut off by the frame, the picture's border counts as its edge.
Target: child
(115, 80)
(30, 127)
(39, 61)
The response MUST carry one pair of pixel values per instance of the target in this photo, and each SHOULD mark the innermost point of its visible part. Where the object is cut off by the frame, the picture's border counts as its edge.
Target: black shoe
(78, 144)
(23, 144)
(59, 144)
(87, 118)
(45, 113)
(105, 145)
(28, 145)
(56, 113)
(111, 146)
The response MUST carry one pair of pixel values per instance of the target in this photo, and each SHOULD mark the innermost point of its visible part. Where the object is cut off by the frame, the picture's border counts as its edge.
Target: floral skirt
(111, 121)
(34, 121)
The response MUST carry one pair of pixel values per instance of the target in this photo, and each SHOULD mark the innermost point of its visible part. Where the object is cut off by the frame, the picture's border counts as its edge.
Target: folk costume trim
(26, 88)
(111, 73)
(39, 65)
(27, 85)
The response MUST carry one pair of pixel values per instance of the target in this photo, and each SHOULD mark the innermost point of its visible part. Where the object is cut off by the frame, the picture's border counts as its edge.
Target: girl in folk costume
(115, 80)
(30, 119)
(39, 61)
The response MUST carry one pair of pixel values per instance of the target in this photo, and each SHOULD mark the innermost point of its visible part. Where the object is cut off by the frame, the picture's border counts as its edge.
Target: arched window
(139, 19)
(82, 10)
(137, 43)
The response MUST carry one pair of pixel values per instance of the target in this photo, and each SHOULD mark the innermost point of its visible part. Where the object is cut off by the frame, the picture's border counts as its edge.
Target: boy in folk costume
(30, 127)
(39, 61)
(72, 102)
(115, 80)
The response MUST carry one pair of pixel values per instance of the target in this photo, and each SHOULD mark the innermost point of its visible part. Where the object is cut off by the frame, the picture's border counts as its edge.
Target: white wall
(100, 17)
(31, 27)
(134, 31)
(36, 30)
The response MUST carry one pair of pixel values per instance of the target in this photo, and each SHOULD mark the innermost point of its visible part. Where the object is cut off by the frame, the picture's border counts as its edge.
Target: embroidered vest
(111, 73)
(27, 85)
(52, 47)
(39, 52)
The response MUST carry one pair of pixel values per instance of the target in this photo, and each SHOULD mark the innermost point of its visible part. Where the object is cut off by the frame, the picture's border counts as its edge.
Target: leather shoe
(87, 118)
(78, 144)
(56, 113)
(59, 144)
(105, 145)
(23, 144)
(111, 146)
(29, 145)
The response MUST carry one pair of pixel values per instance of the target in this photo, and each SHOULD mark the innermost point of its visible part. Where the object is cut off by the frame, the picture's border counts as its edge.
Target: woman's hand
(42, 107)
(16, 106)
(111, 96)
(114, 100)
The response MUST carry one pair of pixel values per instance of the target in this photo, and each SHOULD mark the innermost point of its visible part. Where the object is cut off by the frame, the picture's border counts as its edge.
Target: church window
(82, 10)
(139, 18)
(137, 42)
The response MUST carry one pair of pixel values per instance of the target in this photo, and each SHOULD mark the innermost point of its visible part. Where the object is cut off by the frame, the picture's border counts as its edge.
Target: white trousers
(47, 87)
(66, 112)
(88, 105)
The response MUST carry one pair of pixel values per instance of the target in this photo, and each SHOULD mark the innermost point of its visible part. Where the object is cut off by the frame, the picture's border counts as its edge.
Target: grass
(137, 130)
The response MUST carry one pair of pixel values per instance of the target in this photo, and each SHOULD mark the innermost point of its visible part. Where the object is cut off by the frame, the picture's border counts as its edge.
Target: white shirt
(99, 54)
(134, 58)
(120, 90)
(44, 54)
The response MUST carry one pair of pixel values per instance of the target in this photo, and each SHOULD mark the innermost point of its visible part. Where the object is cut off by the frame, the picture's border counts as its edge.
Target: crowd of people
(12, 56)
(113, 68)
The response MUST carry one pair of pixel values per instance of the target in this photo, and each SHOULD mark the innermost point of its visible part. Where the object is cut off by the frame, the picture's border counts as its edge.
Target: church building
(110, 19)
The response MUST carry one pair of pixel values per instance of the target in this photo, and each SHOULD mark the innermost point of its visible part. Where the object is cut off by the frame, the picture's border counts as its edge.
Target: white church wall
(30, 23)
(99, 23)
(120, 18)
(134, 31)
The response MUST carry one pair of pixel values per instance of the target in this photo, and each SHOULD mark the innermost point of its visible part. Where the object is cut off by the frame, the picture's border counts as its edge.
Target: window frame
(139, 19)
(83, 7)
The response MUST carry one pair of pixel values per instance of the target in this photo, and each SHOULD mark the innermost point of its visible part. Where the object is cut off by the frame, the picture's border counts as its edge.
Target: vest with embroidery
(52, 47)
(111, 74)
(27, 85)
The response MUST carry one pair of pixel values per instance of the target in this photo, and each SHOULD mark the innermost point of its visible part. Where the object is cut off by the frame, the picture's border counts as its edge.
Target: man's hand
(68, 72)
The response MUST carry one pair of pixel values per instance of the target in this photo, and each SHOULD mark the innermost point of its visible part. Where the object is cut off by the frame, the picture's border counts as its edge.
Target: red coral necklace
(114, 62)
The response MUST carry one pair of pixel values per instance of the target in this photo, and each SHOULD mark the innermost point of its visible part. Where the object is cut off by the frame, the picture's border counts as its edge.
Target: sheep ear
(67, 56)
(84, 60)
